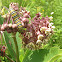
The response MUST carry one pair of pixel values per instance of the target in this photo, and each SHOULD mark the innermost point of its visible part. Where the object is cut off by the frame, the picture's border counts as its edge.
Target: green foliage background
(55, 43)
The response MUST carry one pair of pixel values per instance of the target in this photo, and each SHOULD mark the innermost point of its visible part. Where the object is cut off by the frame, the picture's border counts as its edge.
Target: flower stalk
(9, 58)
(16, 47)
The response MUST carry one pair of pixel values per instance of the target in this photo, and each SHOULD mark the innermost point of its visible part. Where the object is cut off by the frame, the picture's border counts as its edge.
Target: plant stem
(16, 47)
(9, 58)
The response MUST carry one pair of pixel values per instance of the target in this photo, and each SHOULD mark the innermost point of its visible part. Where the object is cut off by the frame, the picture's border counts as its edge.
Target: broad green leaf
(53, 55)
(7, 38)
(27, 53)
(35, 56)
(43, 55)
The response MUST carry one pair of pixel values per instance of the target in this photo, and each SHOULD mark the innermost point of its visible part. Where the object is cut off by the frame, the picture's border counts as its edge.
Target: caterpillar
(15, 18)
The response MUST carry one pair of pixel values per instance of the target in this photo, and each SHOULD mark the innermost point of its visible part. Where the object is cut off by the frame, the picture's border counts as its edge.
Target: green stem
(16, 47)
(9, 58)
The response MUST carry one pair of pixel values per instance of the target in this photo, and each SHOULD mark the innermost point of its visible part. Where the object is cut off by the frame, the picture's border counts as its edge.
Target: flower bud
(3, 47)
(38, 32)
(39, 42)
(50, 25)
(16, 8)
(29, 34)
(51, 18)
(40, 37)
(43, 29)
(25, 20)
(30, 45)
(2, 28)
(10, 25)
(48, 31)
(5, 26)
(53, 27)
(14, 26)
(23, 11)
(26, 15)
(28, 12)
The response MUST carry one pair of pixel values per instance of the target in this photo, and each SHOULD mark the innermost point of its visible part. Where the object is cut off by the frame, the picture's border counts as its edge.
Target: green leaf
(43, 55)
(53, 55)
(35, 56)
(27, 53)
(7, 38)
(21, 57)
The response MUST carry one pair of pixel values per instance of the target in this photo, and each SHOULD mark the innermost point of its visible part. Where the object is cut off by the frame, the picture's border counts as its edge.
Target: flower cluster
(37, 32)
(24, 18)
(2, 50)
(14, 6)
(9, 27)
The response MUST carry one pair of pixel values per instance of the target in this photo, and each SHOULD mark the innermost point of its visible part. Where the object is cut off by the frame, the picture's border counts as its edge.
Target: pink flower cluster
(14, 6)
(2, 50)
(38, 32)
(35, 33)
(24, 18)
(10, 28)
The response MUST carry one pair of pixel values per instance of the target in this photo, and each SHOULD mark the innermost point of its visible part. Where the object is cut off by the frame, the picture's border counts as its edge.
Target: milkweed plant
(34, 32)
